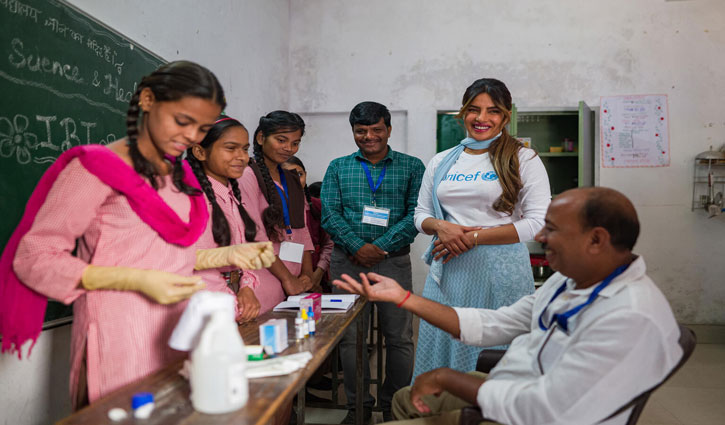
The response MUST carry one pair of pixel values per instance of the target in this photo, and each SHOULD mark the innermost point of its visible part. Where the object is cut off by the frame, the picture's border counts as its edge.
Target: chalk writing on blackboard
(17, 141)
(66, 80)
(21, 9)
(69, 78)
(108, 84)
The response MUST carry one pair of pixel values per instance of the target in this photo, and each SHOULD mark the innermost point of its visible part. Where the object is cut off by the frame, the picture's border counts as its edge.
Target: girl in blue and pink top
(276, 197)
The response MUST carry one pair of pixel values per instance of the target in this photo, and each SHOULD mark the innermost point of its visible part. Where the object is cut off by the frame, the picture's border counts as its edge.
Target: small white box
(273, 335)
(526, 141)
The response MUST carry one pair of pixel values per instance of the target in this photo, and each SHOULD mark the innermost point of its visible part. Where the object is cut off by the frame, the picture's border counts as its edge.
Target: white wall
(419, 56)
(246, 45)
(35, 391)
(332, 131)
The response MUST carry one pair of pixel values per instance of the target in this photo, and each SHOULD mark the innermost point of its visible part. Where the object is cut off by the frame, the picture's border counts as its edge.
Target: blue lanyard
(376, 186)
(283, 196)
(563, 318)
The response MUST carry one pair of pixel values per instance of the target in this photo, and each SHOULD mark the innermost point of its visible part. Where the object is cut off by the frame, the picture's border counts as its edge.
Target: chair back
(687, 342)
(487, 359)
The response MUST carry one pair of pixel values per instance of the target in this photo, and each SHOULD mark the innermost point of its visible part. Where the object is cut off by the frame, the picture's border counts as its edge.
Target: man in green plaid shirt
(368, 201)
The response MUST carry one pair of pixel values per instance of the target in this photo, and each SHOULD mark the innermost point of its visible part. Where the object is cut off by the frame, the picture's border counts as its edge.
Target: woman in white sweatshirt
(482, 200)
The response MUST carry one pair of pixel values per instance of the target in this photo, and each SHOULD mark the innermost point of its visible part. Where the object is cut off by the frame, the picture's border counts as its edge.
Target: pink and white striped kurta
(124, 333)
(269, 292)
(254, 202)
(213, 277)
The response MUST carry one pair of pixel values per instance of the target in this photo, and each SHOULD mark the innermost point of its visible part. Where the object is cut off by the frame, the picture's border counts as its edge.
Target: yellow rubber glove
(246, 256)
(163, 287)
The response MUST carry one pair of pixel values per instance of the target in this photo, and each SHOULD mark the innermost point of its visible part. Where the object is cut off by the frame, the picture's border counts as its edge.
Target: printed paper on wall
(634, 131)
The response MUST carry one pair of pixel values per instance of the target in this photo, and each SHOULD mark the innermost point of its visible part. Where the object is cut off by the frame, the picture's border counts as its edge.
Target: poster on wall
(634, 131)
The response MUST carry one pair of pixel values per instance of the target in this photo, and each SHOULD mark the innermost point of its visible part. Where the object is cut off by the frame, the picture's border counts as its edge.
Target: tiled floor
(334, 416)
(694, 396)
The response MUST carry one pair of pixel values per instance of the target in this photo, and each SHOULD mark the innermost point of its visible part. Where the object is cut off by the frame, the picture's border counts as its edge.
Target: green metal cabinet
(547, 128)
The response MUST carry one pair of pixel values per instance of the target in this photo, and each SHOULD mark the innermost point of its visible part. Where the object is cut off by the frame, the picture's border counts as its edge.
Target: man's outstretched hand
(382, 289)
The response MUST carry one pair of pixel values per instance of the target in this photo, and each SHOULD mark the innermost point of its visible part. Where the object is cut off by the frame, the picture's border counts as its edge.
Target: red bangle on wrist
(404, 299)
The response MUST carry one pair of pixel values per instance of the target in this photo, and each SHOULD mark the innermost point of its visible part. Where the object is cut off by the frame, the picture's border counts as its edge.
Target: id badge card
(291, 251)
(376, 216)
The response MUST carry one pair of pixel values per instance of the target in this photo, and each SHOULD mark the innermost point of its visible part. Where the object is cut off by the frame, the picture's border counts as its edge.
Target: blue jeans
(395, 323)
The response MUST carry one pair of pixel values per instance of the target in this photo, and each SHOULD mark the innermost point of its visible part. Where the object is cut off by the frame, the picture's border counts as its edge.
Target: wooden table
(266, 395)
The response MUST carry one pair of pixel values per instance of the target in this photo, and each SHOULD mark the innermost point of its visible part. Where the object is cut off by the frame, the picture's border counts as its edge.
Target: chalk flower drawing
(15, 140)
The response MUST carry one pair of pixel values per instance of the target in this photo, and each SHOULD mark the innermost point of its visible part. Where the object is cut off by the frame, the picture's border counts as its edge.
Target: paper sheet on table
(277, 366)
(326, 297)
(331, 303)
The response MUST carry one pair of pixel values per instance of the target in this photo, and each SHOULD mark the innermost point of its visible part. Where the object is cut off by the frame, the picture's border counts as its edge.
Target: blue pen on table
(335, 301)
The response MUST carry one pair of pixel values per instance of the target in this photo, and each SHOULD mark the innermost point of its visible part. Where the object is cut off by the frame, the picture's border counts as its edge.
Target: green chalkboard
(450, 131)
(65, 80)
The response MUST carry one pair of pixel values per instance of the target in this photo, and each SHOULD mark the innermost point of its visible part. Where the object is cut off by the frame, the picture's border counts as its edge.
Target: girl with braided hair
(276, 195)
(133, 213)
(218, 161)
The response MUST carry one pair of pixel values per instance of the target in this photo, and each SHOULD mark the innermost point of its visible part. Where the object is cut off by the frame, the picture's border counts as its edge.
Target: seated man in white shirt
(594, 336)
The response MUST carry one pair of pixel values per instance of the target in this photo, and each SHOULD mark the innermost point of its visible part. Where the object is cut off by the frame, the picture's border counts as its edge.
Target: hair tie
(223, 119)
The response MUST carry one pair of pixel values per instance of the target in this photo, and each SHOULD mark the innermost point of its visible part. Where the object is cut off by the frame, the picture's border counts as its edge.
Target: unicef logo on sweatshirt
(460, 177)
(489, 176)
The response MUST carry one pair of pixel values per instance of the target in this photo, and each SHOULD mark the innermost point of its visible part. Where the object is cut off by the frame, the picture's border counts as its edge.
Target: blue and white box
(273, 335)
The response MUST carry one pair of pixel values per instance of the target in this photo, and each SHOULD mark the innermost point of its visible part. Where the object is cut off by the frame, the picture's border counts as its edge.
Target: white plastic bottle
(218, 363)
(299, 331)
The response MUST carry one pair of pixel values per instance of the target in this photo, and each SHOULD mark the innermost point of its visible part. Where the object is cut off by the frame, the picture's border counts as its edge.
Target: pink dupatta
(22, 309)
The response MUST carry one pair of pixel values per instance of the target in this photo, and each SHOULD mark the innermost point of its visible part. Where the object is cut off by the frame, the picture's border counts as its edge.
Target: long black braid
(273, 123)
(308, 195)
(219, 223)
(142, 165)
(250, 227)
(296, 161)
(170, 82)
(272, 216)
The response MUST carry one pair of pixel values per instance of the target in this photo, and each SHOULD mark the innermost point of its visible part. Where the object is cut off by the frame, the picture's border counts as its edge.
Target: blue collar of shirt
(390, 156)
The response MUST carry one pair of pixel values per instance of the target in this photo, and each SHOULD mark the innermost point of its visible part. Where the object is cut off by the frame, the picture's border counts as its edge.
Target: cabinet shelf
(560, 154)
(558, 113)
(549, 127)
(715, 180)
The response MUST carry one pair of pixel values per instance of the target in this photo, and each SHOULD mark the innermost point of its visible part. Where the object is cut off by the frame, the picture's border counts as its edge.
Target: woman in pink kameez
(218, 161)
(134, 213)
(274, 197)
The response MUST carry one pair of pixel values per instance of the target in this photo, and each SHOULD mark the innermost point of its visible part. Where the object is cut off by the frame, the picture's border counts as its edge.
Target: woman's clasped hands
(453, 240)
